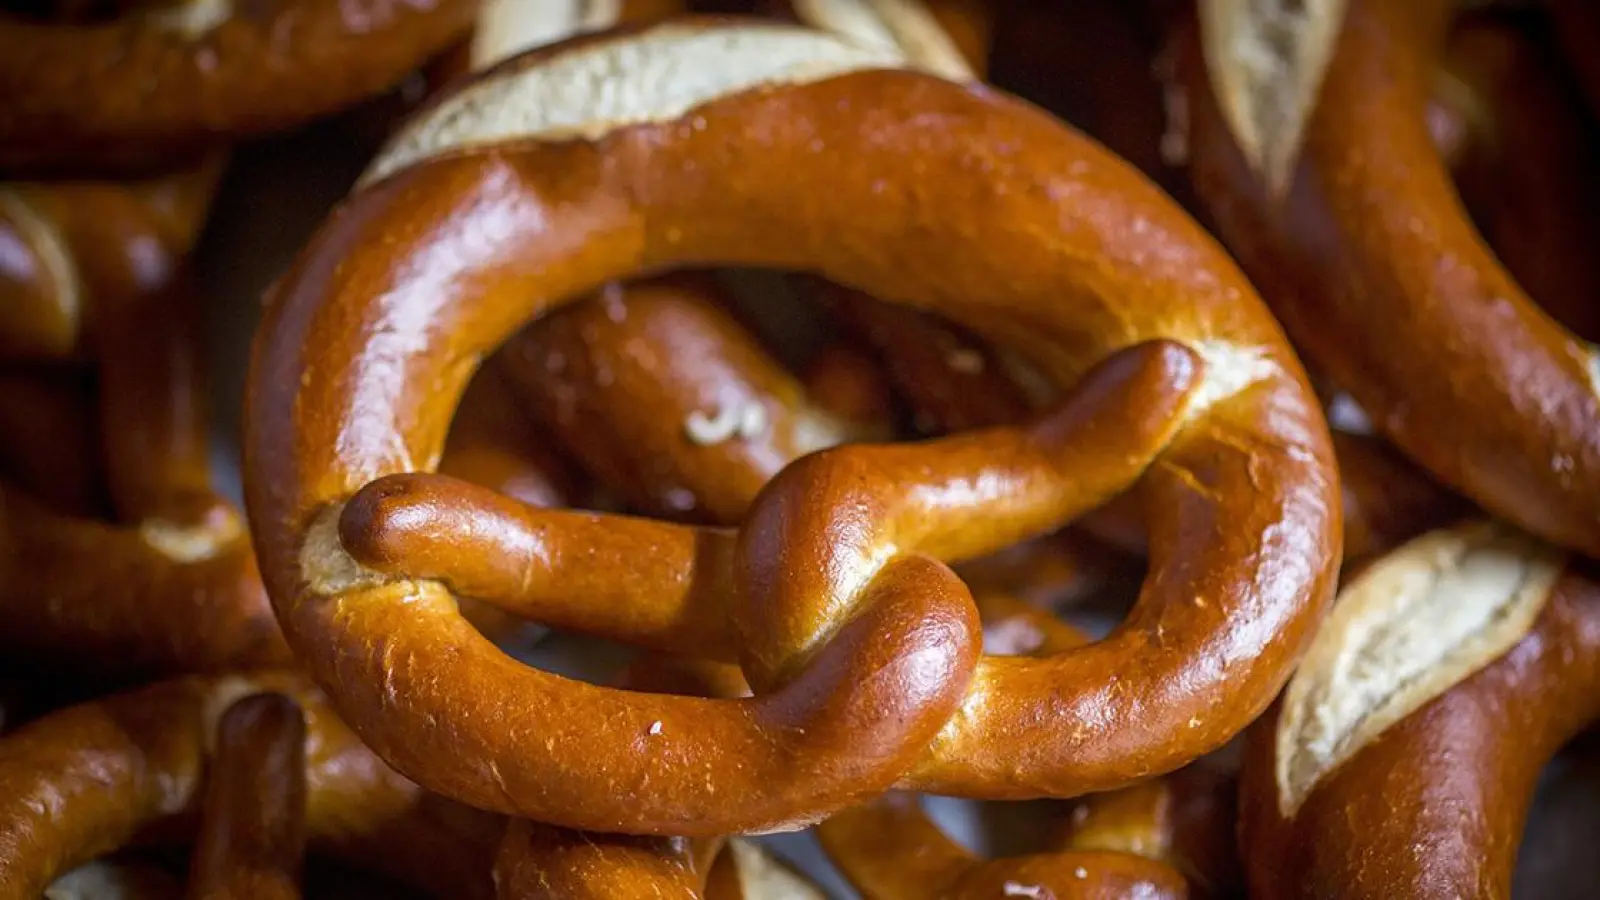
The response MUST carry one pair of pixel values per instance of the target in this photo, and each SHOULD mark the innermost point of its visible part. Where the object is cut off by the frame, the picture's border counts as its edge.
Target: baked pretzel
(1402, 759)
(154, 82)
(326, 516)
(1373, 268)
(92, 778)
(1521, 144)
(889, 849)
(252, 818)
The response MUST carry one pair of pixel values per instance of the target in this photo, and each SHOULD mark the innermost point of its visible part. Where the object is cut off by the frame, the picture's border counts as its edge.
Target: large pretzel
(1227, 420)
(91, 778)
(147, 84)
(1403, 758)
(1373, 268)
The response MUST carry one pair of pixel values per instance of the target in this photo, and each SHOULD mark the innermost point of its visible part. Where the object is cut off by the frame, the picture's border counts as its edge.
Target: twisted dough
(1225, 415)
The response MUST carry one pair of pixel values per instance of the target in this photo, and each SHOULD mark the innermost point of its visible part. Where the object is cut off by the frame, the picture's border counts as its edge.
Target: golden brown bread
(1222, 410)
(1372, 265)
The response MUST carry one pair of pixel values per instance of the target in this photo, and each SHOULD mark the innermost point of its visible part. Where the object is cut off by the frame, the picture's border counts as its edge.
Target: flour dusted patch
(1411, 627)
(592, 89)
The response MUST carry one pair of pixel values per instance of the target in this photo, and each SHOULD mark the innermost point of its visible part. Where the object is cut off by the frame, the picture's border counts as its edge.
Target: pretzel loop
(504, 198)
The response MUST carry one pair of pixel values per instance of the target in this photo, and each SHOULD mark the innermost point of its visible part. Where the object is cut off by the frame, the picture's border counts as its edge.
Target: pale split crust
(594, 88)
(508, 27)
(1414, 625)
(904, 26)
(1266, 60)
(193, 19)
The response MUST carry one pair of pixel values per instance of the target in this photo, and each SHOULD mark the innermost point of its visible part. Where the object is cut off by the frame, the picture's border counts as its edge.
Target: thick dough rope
(1202, 410)
(538, 860)
(1375, 270)
(1403, 758)
(146, 85)
(251, 844)
(91, 778)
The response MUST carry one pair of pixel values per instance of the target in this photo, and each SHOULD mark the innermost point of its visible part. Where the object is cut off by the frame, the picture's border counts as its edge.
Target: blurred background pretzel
(252, 818)
(99, 776)
(159, 79)
(1401, 767)
(1374, 268)
(1246, 367)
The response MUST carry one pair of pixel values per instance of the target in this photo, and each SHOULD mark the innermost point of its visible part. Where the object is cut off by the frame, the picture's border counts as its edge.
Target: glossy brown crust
(128, 92)
(251, 843)
(1185, 819)
(1527, 170)
(538, 860)
(890, 850)
(1435, 806)
(1376, 272)
(89, 779)
(723, 417)
(1258, 459)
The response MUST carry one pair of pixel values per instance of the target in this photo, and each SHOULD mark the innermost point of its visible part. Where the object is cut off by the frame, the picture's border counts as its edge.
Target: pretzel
(1520, 144)
(1403, 757)
(1373, 268)
(1201, 413)
(149, 84)
(252, 828)
(91, 778)
(1185, 819)
(889, 849)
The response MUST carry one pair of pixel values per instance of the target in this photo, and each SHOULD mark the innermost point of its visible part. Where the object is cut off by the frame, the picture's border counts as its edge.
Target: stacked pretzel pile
(811, 356)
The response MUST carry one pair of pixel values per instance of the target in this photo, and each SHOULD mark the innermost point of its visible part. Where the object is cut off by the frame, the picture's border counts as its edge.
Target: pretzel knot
(741, 144)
